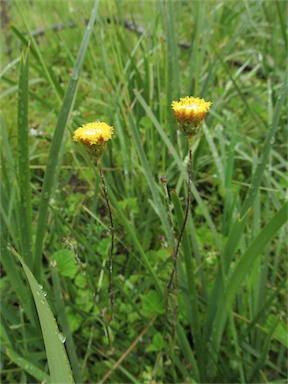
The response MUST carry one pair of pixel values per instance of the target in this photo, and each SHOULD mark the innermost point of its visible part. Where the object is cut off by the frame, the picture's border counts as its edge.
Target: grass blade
(156, 196)
(36, 52)
(225, 301)
(12, 270)
(27, 366)
(52, 164)
(71, 350)
(215, 154)
(265, 348)
(255, 184)
(9, 223)
(59, 367)
(192, 308)
(25, 210)
(172, 57)
(239, 224)
(187, 352)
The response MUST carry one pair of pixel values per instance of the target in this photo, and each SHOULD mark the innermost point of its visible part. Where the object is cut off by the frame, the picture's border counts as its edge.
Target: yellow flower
(94, 136)
(190, 113)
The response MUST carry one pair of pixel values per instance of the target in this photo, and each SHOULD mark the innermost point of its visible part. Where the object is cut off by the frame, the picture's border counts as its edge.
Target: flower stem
(169, 210)
(172, 288)
(111, 295)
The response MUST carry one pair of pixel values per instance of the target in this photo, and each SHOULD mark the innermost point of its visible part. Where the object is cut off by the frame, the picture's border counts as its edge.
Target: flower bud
(190, 113)
(94, 136)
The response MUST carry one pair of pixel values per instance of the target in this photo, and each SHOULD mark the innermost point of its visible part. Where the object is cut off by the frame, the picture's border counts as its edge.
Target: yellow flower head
(94, 136)
(190, 113)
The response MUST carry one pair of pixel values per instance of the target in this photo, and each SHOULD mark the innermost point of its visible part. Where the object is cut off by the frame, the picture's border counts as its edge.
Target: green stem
(168, 204)
(174, 274)
(111, 295)
(172, 286)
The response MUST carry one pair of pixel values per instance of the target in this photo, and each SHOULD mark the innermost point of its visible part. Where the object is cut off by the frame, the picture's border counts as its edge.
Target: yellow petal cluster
(93, 133)
(189, 113)
(94, 136)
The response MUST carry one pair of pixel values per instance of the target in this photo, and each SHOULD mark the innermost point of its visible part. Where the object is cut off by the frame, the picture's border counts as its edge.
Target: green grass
(59, 72)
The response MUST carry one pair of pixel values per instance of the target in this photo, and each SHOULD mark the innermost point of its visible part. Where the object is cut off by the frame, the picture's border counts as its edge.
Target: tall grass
(135, 60)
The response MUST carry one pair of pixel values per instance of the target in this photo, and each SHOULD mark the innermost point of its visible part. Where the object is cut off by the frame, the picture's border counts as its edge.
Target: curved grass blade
(59, 366)
(27, 366)
(70, 346)
(52, 164)
(15, 278)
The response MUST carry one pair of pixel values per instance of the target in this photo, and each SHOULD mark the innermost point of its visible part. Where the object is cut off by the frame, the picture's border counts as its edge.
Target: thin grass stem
(172, 286)
(111, 295)
(169, 211)
(174, 273)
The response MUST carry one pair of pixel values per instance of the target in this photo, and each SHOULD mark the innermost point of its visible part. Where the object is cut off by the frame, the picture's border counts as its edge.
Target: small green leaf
(157, 256)
(280, 332)
(131, 203)
(65, 262)
(153, 304)
(103, 247)
(157, 345)
(80, 281)
(74, 319)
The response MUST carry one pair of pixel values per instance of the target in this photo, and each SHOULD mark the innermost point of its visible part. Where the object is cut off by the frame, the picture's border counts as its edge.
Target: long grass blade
(238, 227)
(27, 366)
(156, 196)
(70, 346)
(9, 223)
(25, 210)
(245, 264)
(172, 57)
(36, 52)
(192, 296)
(52, 164)
(187, 352)
(59, 366)
(239, 224)
(264, 351)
